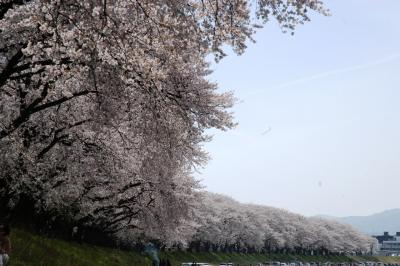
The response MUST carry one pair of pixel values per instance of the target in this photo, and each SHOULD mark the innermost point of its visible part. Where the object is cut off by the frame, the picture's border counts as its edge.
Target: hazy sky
(318, 115)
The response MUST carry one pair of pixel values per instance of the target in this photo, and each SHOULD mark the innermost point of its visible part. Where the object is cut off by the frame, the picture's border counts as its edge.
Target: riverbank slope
(32, 249)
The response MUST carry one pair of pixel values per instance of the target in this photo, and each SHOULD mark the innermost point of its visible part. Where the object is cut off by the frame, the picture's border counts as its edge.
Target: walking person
(152, 251)
(5, 244)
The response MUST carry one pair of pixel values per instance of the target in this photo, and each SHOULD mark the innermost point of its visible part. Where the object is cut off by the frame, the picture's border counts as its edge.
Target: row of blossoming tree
(104, 106)
(224, 224)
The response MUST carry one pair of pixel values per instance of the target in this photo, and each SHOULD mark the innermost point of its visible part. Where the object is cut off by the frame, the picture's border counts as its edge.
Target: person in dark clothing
(151, 250)
(5, 244)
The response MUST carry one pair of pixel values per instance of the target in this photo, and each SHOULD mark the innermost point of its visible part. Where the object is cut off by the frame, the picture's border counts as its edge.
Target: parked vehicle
(196, 264)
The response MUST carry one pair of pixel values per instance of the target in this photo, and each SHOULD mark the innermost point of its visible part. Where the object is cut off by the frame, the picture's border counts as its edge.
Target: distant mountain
(374, 224)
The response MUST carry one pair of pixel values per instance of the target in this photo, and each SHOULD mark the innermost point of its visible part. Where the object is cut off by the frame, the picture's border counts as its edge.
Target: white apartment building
(391, 247)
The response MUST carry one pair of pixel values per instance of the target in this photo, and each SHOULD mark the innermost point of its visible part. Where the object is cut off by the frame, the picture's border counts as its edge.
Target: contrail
(333, 72)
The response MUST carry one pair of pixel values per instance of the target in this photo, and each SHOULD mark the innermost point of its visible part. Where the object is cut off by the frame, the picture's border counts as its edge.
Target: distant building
(389, 245)
(385, 237)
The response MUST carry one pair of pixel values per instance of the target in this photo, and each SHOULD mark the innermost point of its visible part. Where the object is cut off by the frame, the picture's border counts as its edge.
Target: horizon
(320, 215)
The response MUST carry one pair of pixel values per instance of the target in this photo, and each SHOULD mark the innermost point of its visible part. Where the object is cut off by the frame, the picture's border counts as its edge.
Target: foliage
(104, 105)
(227, 225)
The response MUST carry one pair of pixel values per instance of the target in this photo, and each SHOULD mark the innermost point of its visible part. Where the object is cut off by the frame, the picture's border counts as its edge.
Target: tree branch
(33, 108)
(9, 69)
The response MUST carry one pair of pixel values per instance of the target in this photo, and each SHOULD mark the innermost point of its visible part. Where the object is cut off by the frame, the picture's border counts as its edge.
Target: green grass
(384, 259)
(244, 259)
(33, 249)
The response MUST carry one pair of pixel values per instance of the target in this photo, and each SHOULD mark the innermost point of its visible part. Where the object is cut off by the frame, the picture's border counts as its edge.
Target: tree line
(104, 107)
(227, 225)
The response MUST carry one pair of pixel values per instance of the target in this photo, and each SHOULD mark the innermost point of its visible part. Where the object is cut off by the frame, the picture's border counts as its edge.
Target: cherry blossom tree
(104, 105)
(225, 224)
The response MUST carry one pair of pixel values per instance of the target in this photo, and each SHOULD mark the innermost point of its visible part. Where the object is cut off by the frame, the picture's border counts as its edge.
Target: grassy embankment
(33, 249)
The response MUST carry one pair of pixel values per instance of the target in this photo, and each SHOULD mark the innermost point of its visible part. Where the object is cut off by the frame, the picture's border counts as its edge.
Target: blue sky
(318, 115)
